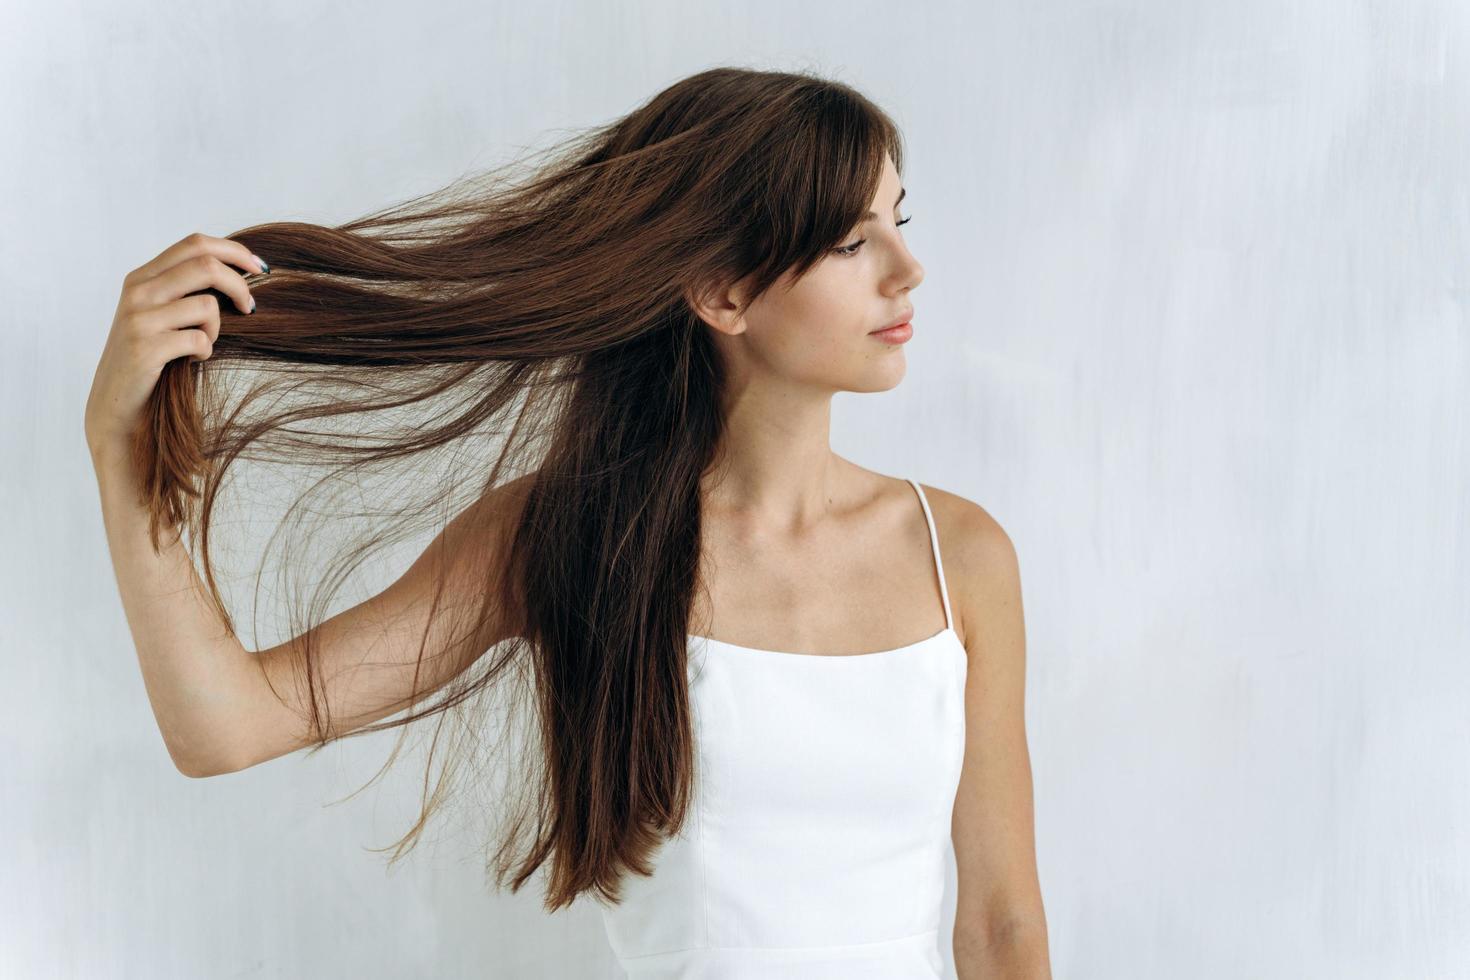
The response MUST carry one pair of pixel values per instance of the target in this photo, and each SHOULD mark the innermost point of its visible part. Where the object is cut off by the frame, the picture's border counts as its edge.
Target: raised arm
(213, 699)
(222, 708)
(367, 655)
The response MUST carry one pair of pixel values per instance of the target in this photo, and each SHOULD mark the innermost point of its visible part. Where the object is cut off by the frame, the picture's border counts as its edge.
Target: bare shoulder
(981, 567)
(968, 531)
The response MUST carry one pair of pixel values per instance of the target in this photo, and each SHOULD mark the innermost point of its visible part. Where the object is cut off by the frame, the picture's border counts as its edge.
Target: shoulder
(968, 531)
(981, 567)
(970, 537)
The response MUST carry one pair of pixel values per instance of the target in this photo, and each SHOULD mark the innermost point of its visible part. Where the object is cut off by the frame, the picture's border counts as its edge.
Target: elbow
(198, 756)
(1006, 931)
(195, 767)
(1012, 948)
(204, 772)
(194, 770)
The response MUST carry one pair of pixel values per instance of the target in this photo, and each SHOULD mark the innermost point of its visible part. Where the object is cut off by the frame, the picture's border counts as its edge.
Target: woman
(712, 613)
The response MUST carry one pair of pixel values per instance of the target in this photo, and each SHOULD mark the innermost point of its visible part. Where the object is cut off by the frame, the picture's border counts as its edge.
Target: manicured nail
(252, 304)
(263, 266)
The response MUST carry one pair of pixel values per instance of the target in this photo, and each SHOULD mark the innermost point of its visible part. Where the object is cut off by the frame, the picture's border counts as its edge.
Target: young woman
(752, 683)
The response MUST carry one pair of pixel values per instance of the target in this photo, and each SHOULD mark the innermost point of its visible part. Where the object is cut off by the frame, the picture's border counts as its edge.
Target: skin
(807, 553)
(158, 320)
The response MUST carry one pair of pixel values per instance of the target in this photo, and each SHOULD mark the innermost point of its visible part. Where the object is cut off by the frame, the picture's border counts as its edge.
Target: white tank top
(816, 845)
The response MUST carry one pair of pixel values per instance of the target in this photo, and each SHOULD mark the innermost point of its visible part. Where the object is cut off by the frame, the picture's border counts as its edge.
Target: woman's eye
(853, 248)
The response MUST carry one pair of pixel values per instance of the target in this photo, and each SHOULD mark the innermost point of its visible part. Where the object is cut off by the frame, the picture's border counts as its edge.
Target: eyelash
(853, 248)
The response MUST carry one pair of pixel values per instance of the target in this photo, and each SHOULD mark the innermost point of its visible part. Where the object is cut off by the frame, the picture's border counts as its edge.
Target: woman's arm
(368, 654)
(1000, 922)
(195, 670)
(222, 708)
(213, 700)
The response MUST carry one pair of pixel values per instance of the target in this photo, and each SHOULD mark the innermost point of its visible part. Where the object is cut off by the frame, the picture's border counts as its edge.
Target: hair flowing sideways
(529, 329)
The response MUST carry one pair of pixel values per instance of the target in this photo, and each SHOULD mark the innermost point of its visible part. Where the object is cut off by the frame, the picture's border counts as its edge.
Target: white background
(1193, 329)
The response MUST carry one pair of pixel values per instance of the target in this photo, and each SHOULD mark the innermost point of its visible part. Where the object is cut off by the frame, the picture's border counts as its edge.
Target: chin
(885, 378)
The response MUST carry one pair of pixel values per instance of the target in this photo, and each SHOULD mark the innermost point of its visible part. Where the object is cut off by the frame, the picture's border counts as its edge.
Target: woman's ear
(718, 305)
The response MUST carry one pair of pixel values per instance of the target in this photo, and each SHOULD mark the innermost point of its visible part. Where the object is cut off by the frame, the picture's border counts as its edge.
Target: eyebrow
(872, 216)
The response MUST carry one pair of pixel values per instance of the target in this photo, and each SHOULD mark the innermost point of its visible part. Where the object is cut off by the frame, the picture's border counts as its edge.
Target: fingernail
(252, 304)
(261, 261)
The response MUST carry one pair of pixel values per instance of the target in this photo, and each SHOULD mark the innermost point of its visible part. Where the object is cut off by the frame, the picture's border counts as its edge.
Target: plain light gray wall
(1193, 329)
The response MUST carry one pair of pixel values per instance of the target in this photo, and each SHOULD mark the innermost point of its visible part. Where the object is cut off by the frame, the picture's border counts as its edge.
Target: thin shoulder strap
(934, 541)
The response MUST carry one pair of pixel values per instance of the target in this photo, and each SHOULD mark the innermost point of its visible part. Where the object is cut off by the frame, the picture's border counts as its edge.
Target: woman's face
(820, 331)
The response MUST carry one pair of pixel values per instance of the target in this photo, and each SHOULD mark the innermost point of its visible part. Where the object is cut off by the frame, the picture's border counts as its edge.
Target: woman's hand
(157, 320)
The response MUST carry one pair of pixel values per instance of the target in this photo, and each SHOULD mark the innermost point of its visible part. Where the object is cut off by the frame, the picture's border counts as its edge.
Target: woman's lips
(894, 335)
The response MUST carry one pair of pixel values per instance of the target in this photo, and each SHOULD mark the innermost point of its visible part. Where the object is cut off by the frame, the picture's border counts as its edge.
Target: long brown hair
(549, 316)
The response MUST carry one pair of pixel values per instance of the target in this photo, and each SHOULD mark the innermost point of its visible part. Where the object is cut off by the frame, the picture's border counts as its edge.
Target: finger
(191, 246)
(192, 276)
(199, 311)
(191, 343)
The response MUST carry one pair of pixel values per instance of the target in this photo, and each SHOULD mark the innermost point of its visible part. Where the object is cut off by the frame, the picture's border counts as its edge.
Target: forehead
(889, 193)
(889, 184)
